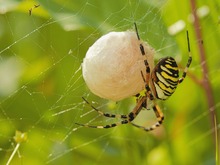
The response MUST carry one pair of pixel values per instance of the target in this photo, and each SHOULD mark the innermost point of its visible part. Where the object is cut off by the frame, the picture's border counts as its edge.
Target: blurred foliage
(41, 83)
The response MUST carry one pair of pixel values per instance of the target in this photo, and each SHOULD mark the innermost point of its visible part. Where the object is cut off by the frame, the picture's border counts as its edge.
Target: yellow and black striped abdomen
(165, 77)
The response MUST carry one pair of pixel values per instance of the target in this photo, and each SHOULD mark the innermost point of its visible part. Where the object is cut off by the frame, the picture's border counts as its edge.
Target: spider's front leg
(146, 79)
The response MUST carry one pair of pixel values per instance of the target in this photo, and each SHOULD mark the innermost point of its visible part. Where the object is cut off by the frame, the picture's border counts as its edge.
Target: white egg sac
(113, 64)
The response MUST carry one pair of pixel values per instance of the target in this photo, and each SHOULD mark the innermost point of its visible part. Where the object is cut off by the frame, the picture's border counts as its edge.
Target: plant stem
(13, 154)
(205, 79)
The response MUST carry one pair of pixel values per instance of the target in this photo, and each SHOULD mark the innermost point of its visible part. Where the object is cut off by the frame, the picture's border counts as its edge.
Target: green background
(42, 85)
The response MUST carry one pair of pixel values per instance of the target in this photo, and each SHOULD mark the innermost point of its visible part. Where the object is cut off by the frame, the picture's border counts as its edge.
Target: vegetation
(43, 44)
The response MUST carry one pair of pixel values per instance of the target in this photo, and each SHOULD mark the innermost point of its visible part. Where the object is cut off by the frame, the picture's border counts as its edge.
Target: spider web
(42, 85)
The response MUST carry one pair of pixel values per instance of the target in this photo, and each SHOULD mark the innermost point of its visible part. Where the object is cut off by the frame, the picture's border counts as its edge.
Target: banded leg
(106, 114)
(127, 118)
(141, 46)
(146, 79)
(189, 59)
(156, 108)
(160, 118)
(157, 111)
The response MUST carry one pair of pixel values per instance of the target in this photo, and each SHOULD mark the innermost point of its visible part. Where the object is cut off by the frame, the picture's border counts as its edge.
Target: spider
(160, 83)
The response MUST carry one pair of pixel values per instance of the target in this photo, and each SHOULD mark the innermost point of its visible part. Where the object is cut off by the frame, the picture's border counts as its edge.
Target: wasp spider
(160, 83)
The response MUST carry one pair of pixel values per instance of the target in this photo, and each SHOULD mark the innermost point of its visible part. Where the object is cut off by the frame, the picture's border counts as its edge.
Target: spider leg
(106, 114)
(146, 81)
(130, 117)
(189, 59)
(156, 108)
(160, 118)
(138, 98)
(141, 46)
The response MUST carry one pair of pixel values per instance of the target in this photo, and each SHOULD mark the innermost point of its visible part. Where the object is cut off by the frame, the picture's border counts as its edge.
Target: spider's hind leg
(126, 118)
(160, 118)
(106, 114)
